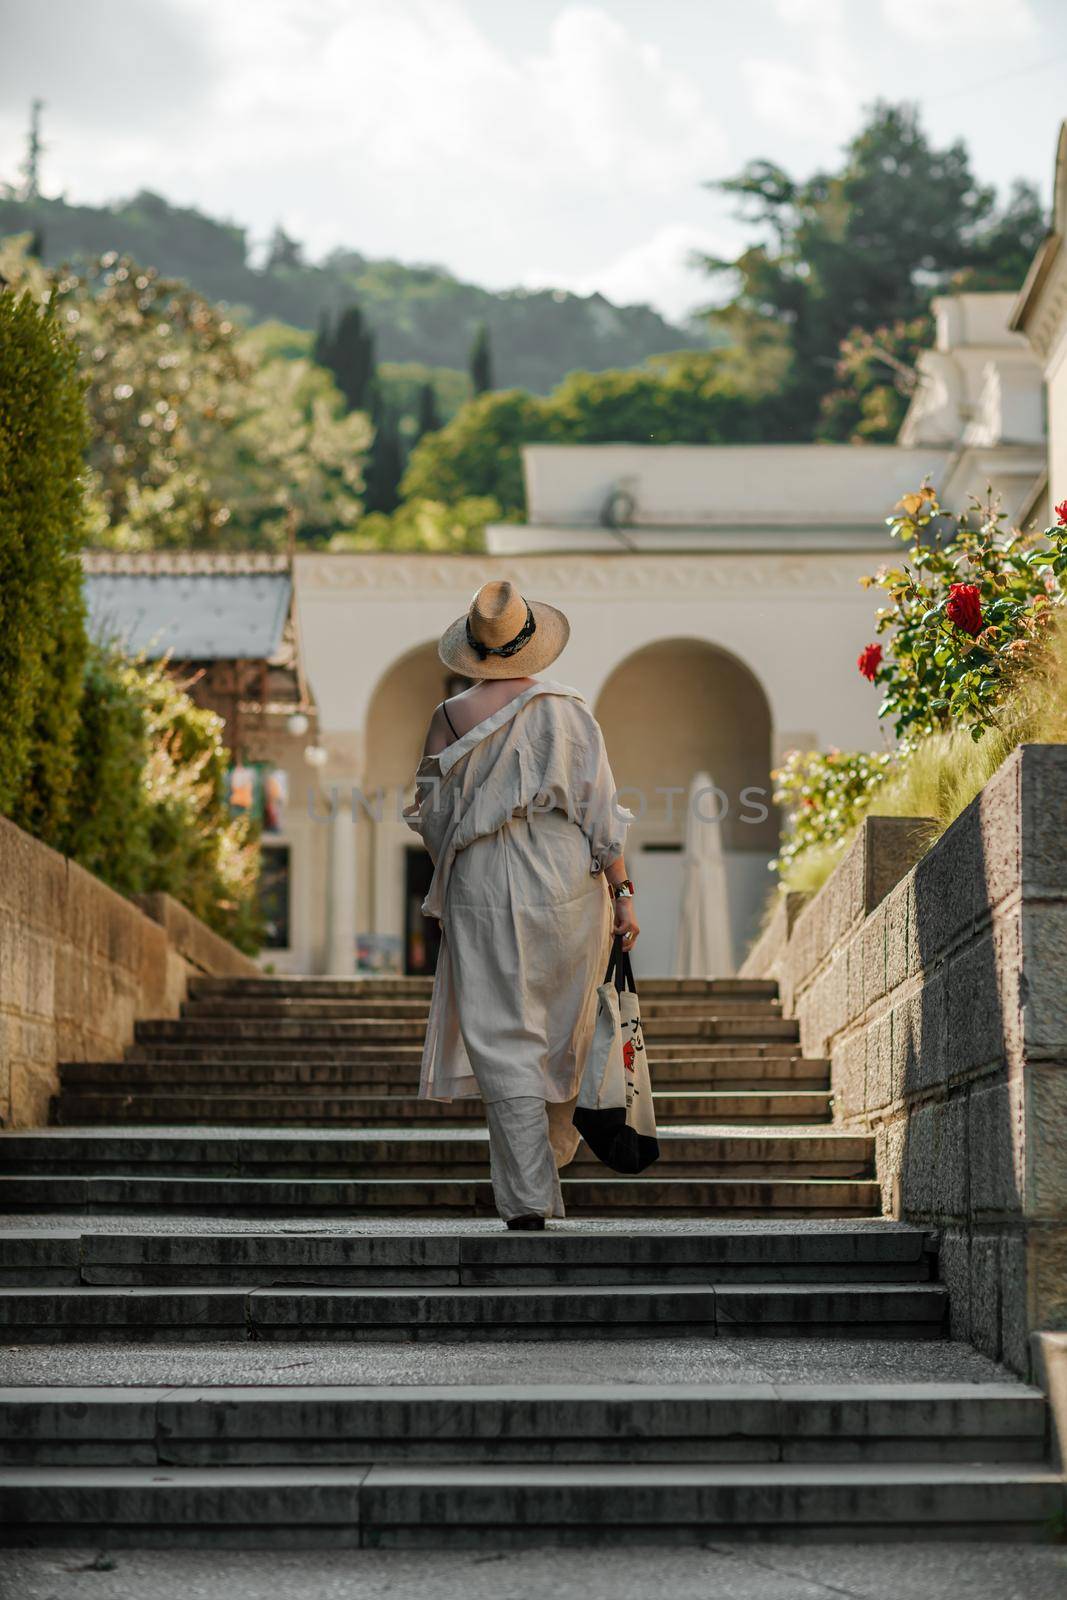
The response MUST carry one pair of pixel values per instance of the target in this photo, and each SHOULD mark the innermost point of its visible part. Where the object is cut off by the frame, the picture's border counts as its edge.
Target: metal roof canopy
(198, 616)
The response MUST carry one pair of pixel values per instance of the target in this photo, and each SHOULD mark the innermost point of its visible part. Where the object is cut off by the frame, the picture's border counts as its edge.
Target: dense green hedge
(43, 435)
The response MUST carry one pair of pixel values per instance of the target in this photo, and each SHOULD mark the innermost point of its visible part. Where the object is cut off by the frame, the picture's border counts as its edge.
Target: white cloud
(811, 13)
(816, 100)
(658, 271)
(382, 93)
(965, 21)
(815, 91)
(398, 126)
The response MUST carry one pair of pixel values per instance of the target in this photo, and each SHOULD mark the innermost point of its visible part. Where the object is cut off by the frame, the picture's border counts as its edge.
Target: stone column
(341, 887)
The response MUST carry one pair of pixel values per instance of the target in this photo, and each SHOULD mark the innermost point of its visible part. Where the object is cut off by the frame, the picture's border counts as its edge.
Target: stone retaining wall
(939, 992)
(79, 964)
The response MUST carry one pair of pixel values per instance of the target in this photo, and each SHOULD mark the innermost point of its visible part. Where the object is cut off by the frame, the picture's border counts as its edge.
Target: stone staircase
(254, 1292)
(745, 1116)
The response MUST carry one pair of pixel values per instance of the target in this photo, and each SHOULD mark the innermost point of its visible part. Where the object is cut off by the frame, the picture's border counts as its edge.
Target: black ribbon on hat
(525, 633)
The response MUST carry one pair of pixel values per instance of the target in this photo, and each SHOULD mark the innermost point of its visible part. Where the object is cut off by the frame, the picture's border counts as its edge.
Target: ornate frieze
(584, 576)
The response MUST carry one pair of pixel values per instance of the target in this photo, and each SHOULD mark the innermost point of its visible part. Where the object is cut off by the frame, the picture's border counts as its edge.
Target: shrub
(975, 664)
(150, 808)
(824, 795)
(969, 613)
(424, 525)
(43, 434)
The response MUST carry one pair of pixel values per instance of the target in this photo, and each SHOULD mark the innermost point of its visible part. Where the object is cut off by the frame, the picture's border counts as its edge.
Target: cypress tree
(427, 419)
(385, 463)
(481, 360)
(322, 350)
(348, 351)
(43, 435)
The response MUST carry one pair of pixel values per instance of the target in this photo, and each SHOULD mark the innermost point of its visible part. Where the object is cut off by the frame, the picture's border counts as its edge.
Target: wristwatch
(623, 890)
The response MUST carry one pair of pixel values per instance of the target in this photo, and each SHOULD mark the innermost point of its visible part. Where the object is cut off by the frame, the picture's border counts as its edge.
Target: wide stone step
(779, 1107)
(587, 1311)
(365, 1030)
(277, 987)
(297, 1074)
(872, 1252)
(414, 1152)
(611, 1196)
(507, 1506)
(521, 1424)
(385, 1009)
(354, 1052)
(400, 987)
(374, 1055)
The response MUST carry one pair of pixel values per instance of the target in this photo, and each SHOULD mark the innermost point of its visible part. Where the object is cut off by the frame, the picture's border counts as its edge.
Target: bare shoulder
(438, 735)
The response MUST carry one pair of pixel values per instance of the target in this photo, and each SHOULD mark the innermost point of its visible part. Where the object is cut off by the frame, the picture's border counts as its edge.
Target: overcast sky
(514, 141)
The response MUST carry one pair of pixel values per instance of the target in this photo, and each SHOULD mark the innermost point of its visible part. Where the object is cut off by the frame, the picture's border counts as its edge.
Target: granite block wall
(936, 984)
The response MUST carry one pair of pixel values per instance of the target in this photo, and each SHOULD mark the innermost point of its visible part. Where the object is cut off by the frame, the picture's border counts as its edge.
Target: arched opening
(399, 714)
(391, 861)
(669, 711)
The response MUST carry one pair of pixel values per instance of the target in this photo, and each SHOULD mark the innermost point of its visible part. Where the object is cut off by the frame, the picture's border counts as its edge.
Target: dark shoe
(527, 1224)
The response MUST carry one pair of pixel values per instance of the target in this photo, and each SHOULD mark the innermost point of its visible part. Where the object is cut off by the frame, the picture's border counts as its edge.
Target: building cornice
(183, 563)
(411, 575)
(1042, 304)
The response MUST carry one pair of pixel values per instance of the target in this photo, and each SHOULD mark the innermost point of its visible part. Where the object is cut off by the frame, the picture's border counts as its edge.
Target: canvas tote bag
(614, 1112)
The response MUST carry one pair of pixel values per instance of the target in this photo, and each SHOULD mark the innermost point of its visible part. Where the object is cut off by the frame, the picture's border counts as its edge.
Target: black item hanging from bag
(614, 1114)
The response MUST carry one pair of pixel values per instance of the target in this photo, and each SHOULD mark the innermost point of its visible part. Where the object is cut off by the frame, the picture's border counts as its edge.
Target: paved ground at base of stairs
(737, 1572)
(557, 1362)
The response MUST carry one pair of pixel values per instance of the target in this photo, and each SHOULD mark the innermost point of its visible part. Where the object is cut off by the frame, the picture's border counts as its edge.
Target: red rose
(869, 660)
(964, 608)
(1061, 513)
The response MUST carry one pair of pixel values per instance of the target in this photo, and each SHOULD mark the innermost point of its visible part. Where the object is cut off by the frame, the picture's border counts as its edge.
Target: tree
(427, 419)
(347, 349)
(479, 453)
(283, 252)
(1001, 253)
(294, 455)
(30, 188)
(43, 434)
(481, 361)
(694, 398)
(201, 435)
(860, 248)
(385, 464)
(876, 375)
(164, 377)
(423, 525)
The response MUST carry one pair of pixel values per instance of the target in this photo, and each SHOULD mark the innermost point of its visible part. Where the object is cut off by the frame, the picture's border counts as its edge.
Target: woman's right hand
(625, 922)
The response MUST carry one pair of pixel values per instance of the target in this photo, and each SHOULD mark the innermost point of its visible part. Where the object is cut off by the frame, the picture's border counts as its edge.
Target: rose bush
(975, 644)
(969, 609)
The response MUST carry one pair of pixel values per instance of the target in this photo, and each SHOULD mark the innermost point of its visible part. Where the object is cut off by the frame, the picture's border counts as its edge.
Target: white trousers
(529, 1140)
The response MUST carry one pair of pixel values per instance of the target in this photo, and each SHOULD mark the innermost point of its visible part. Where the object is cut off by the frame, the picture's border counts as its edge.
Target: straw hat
(503, 635)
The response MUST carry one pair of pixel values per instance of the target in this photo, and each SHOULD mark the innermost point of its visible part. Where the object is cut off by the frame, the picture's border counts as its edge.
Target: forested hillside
(418, 313)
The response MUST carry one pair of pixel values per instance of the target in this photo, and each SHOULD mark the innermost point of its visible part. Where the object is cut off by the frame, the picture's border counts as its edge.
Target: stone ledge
(204, 949)
(1049, 1360)
(79, 965)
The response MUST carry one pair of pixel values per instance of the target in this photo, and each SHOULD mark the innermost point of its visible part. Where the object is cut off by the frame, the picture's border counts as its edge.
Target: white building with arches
(716, 615)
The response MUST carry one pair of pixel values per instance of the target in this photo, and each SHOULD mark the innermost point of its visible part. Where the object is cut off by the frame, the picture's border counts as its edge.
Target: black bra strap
(448, 719)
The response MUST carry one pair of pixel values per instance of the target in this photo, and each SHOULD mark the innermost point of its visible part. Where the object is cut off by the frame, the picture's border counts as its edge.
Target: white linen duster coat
(519, 816)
